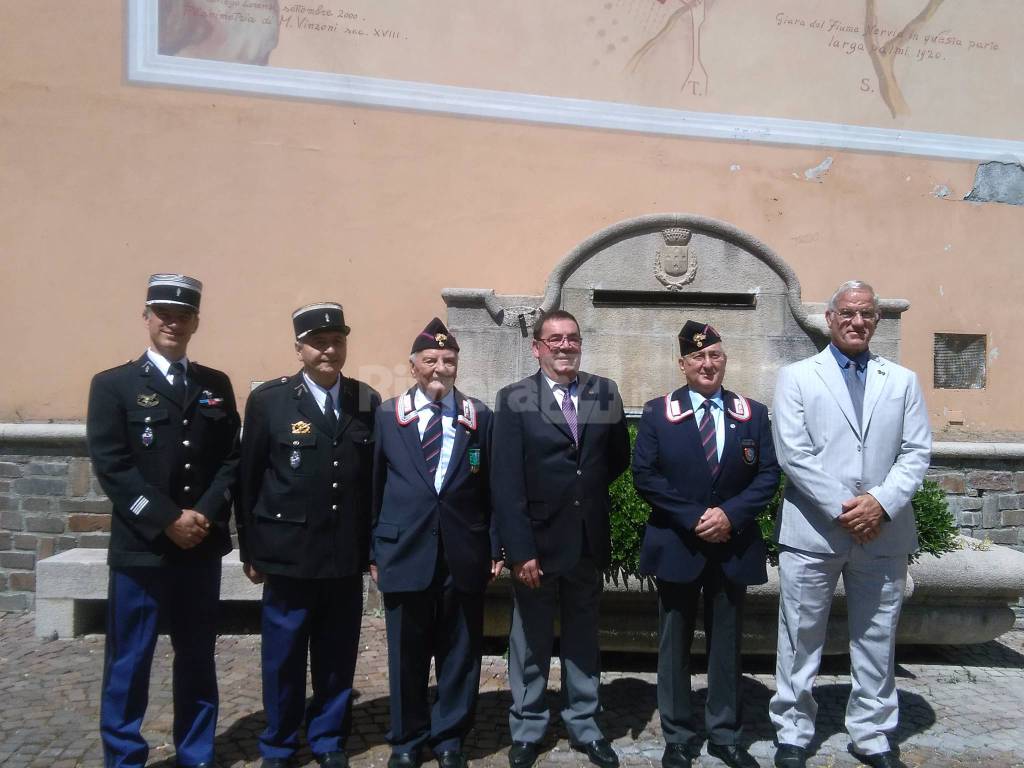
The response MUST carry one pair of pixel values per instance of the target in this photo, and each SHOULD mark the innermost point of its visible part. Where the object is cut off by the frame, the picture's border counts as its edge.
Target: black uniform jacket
(304, 493)
(411, 519)
(672, 474)
(155, 456)
(545, 490)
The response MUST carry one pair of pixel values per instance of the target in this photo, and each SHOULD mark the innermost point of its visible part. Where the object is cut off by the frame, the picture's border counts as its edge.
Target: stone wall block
(3, 582)
(95, 489)
(12, 521)
(23, 560)
(9, 502)
(26, 542)
(1003, 536)
(38, 504)
(6, 541)
(42, 524)
(47, 547)
(86, 523)
(969, 502)
(48, 468)
(5, 486)
(990, 514)
(986, 480)
(10, 469)
(22, 581)
(1011, 501)
(15, 602)
(951, 483)
(94, 540)
(970, 519)
(41, 486)
(88, 506)
(79, 477)
(1012, 517)
(1018, 482)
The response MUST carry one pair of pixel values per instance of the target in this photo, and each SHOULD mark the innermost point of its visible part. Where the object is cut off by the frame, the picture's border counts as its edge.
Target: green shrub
(936, 527)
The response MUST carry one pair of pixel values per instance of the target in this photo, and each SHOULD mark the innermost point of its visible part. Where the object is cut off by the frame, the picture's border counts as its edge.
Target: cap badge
(698, 339)
(440, 338)
(147, 401)
(301, 428)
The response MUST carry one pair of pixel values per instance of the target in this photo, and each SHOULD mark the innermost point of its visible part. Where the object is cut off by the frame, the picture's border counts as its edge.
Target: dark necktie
(432, 439)
(569, 412)
(856, 388)
(332, 417)
(177, 370)
(708, 437)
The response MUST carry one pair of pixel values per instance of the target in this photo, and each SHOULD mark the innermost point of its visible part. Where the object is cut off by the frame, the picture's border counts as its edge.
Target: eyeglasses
(554, 342)
(847, 315)
(712, 357)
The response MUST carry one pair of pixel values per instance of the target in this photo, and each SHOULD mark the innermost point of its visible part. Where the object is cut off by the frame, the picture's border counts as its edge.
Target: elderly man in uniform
(705, 463)
(433, 550)
(853, 439)
(163, 438)
(560, 439)
(305, 485)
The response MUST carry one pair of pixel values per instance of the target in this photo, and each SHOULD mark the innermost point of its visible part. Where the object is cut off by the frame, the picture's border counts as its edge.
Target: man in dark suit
(560, 439)
(305, 487)
(433, 550)
(163, 438)
(705, 462)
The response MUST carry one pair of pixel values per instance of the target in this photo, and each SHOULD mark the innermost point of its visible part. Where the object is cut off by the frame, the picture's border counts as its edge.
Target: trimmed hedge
(936, 527)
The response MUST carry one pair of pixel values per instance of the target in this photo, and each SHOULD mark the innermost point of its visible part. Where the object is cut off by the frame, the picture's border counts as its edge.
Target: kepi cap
(324, 316)
(434, 336)
(175, 290)
(696, 336)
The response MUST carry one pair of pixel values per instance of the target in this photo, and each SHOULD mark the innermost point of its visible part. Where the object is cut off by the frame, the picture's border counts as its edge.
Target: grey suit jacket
(828, 457)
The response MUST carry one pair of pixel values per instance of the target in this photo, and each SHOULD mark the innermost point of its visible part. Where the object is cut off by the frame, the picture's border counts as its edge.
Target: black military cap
(434, 336)
(325, 316)
(177, 290)
(696, 336)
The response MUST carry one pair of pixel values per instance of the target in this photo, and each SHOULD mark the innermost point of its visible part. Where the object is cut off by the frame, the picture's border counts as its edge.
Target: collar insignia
(468, 416)
(404, 410)
(674, 412)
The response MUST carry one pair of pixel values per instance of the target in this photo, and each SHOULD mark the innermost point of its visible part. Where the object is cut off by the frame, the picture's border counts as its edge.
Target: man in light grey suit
(852, 436)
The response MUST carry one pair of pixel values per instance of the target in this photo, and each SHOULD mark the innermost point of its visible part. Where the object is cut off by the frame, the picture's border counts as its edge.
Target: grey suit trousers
(874, 595)
(573, 598)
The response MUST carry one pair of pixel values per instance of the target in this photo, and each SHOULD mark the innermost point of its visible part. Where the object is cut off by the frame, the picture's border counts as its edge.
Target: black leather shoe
(732, 755)
(404, 760)
(522, 754)
(336, 759)
(676, 756)
(276, 762)
(879, 759)
(451, 758)
(790, 756)
(600, 753)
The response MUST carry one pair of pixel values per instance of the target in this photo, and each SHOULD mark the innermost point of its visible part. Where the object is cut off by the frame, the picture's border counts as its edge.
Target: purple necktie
(431, 440)
(708, 437)
(569, 412)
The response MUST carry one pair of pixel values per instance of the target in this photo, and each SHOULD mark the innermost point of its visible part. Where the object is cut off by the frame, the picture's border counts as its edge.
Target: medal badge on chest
(474, 460)
(147, 436)
(295, 459)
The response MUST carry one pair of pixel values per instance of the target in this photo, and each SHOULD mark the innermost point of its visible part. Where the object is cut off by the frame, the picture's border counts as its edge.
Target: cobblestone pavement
(959, 706)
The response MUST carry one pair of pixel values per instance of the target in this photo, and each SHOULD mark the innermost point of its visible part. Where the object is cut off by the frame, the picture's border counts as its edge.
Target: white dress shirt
(421, 403)
(164, 365)
(559, 393)
(320, 394)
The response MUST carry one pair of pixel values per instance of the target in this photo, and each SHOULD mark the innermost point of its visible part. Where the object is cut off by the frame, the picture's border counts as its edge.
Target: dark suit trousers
(323, 617)
(723, 626)
(446, 624)
(139, 600)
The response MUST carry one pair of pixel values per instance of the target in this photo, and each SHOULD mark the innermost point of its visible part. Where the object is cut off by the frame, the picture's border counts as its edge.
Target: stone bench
(71, 590)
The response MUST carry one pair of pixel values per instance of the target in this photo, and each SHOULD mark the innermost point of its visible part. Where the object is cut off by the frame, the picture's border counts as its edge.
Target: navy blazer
(410, 518)
(155, 455)
(548, 494)
(671, 472)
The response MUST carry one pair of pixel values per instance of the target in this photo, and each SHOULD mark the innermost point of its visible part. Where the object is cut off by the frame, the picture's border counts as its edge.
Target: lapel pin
(295, 460)
(147, 436)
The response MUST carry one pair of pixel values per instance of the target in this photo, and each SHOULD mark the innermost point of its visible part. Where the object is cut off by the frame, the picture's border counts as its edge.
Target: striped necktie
(708, 437)
(569, 412)
(432, 439)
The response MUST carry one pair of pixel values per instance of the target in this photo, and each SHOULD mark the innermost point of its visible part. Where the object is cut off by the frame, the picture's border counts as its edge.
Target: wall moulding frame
(145, 65)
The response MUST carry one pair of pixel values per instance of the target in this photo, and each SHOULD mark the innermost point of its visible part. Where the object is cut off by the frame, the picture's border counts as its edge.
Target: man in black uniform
(304, 512)
(163, 437)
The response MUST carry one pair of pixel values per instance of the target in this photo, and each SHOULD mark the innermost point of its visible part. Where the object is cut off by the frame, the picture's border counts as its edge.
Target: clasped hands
(189, 529)
(862, 518)
(714, 526)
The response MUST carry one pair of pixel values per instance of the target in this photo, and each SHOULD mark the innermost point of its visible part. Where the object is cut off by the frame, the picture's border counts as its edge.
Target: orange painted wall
(275, 203)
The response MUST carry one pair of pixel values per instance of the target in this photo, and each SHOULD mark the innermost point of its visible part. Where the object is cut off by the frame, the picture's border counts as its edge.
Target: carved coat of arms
(674, 265)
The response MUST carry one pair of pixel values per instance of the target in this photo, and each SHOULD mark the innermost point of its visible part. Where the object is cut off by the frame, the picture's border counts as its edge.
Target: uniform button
(188, 466)
(334, 485)
(576, 503)
(579, 471)
(433, 531)
(149, 419)
(185, 443)
(334, 507)
(335, 443)
(295, 442)
(188, 488)
(335, 463)
(858, 484)
(278, 515)
(858, 449)
(185, 422)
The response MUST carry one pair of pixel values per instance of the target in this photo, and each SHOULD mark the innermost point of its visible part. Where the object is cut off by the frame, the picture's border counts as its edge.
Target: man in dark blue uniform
(304, 521)
(705, 463)
(163, 438)
(434, 550)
